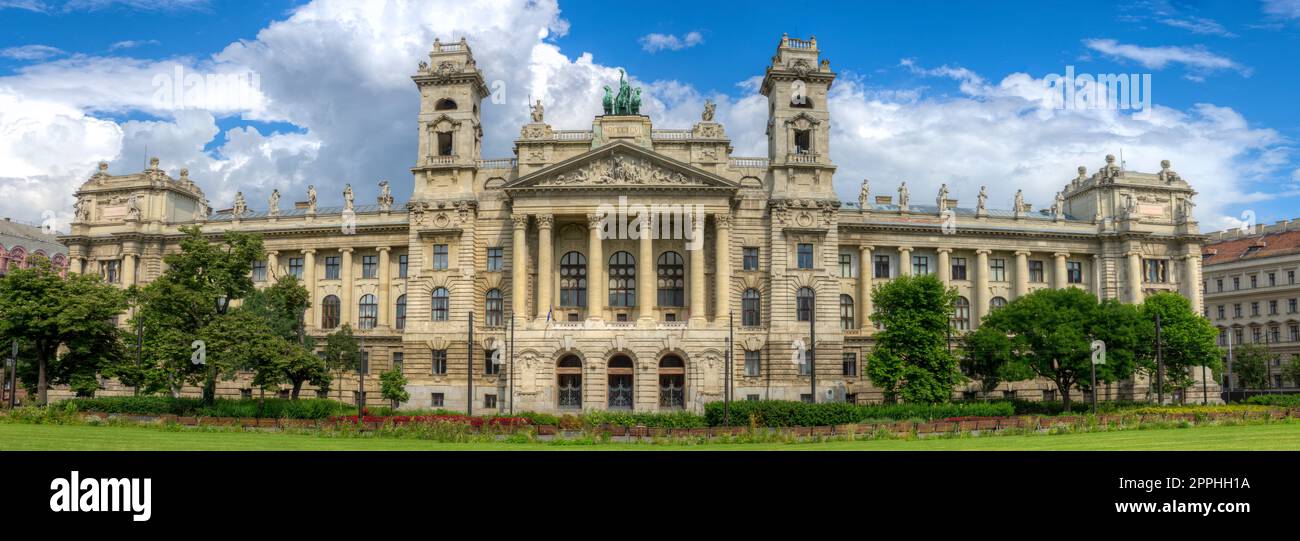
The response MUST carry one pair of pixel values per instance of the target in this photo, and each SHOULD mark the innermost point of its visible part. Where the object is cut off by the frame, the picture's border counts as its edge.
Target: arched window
(804, 300)
(672, 280)
(568, 380)
(493, 316)
(846, 312)
(961, 314)
(445, 104)
(329, 313)
(401, 312)
(620, 382)
(441, 304)
(997, 302)
(672, 382)
(751, 308)
(622, 279)
(367, 312)
(573, 279)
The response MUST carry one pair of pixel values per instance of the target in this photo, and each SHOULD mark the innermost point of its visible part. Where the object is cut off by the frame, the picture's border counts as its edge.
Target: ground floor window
(569, 382)
(620, 383)
(672, 382)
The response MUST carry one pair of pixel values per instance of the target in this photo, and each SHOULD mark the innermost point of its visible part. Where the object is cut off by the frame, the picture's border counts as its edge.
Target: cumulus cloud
(657, 42)
(1197, 59)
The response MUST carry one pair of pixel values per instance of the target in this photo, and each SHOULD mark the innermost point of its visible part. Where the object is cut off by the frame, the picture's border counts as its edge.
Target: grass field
(13, 436)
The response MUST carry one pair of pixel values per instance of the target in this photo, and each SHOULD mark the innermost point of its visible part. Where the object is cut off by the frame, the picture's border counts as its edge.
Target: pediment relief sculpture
(619, 169)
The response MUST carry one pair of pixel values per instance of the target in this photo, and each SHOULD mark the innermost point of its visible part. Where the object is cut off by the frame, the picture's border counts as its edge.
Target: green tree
(1187, 340)
(302, 365)
(911, 360)
(342, 352)
(1291, 372)
(282, 306)
(985, 357)
(40, 308)
(1250, 365)
(392, 385)
(1051, 332)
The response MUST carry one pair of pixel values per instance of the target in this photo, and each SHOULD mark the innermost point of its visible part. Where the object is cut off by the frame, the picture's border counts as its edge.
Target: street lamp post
(812, 345)
(1160, 365)
(510, 371)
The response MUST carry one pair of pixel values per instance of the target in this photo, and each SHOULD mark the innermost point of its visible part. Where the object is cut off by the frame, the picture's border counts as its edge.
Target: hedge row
(780, 413)
(272, 408)
(1284, 400)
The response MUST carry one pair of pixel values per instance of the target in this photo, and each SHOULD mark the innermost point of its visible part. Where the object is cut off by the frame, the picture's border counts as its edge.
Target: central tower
(798, 122)
(451, 135)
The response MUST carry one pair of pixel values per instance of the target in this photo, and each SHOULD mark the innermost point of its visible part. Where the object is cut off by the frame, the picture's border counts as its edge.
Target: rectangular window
(958, 268)
(1236, 310)
(751, 258)
(802, 141)
(437, 400)
(444, 144)
(1074, 272)
(806, 398)
(259, 271)
(403, 263)
(1291, 306)
(998, 269)
(1254, 308)
(1236, 283)
(1295, 333)
(752, 397)
(753, 363)
(490, 367)
(1272, 279)
(332, 267)
(805, 255)
(295, 267)
(1036, 272)
(440, 257)
(1157, 271)
(882, 266)
(397, 360)
(1219, 282)
(1254, 281)
(920, 265)
(850, 364)
(494, 259)
(846, 265)
(1290, 277)
(1272, 308)
(369, 266)
(490, 401)
(439, 362)
(1221, 311)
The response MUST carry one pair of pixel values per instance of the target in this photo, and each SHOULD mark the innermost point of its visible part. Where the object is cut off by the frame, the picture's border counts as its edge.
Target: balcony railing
(573, 135)
(670, 135)
(500, 163)
(801, 158)
(439, 160)
(749, 162)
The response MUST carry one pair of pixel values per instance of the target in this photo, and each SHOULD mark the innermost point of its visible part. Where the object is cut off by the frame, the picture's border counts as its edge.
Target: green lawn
(13, 436)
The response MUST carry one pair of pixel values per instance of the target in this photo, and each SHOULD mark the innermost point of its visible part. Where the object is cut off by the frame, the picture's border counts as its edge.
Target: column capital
(270, 253)
(904, 248)
(307, 251)
(382, 249)
(1132, 253)
(866, 248)
(983, 251)
(520, 221)
(1096, 257)
(722, 220)
(594, 220)
(1025, 253)
(345, 250)
(943, 250)
(545, 221)
(1061, 254)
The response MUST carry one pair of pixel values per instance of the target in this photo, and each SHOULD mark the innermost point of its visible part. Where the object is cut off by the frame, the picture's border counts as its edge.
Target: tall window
(332, 267)
(444, 144)
(849, 364)
(882, 266)
(569, 382)
(403, 264)
(920, 265)
(846, 312)
(621, 373)
(802, 141)
(846, 265)
(997, 302)
(958, 268)
(753, 364)
(440, 257)
(494, 259)
(398, 360)
(1036, 271)
(1254, 281)
(441, 304)
(751, 258)
(401, 312)
(491, 362)
(367, 312)
(804, 300)
(369, 266)
(672, 382)
(751, 303)
(573, 279)
(998, 268)
(295, 267)
(961, 314)
(804, 253)
(110, 272)
(622, 279)
(329, 314)
(1074, 272)
(1157, 271)
(259, 271)
(493, 316)
(672, 279)
(439, 362)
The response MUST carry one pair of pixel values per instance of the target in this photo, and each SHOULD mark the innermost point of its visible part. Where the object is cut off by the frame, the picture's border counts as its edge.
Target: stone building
(574, 309)
(1251, 292)
(19, 241)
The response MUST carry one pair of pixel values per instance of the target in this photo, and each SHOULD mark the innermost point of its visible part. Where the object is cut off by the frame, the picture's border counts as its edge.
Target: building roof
(30, 237)
(1259, 246)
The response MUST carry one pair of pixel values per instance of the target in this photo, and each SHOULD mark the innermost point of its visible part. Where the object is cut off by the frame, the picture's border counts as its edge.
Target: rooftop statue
(626, 102)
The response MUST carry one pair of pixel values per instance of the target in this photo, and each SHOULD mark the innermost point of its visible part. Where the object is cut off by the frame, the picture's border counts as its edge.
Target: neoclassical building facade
(573, 308)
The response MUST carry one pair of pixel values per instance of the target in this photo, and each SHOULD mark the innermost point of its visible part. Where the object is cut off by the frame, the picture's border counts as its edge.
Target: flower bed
(408, 419)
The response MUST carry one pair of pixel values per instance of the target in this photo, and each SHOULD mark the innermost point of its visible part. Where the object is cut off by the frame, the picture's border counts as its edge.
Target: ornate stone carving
(864, 195)
(133, 207)
(537, 112)
(1019, 204)
(311, 199)
(273, 203)
(544, 220)
(903, 196)
(619, 169)
(983, 197)
(1110, 171)
(520, 221)
(81, 209)
(385, 199)
(1167, 175)
(241, 206)
(347, 197)
(709, 107)
(942, 200)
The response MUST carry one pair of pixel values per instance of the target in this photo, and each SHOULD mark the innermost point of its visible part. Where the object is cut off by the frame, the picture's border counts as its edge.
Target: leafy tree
(41, 308)
(985, 357)
(1291, 372)
(1051, 332)
(911, 359)
(1187, 340)
(342, 352)
(281, 305)
(302, 365)
(1250, 365)
(392, 385)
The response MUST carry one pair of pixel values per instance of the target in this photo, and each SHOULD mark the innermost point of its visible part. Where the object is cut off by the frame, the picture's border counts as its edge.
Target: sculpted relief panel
(619, 169)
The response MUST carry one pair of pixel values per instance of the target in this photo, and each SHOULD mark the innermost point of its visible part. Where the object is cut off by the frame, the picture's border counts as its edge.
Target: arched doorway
(568, 382)
(672, 382)
(620, 383)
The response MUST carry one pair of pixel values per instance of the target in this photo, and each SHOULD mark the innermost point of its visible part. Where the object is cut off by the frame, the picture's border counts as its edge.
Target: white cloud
(31, 52)
(1198, 59)
(1286, 9)
(96, 5)
(658, 42)
(132, 43)
(1198, 25)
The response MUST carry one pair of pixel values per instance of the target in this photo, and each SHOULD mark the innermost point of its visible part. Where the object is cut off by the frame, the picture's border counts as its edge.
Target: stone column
(945, 269)
(596, 283)
(128, 269)
(309, 278)
(981, 292)
(1134, 276)
(384, 286)
(1060, 279)
(74, 265)
(904, 260)
(722, 267)
(1192, 281)
(272, 265)
(647, 298)
(1022, 273)
(345, 298)
(1096, 276)
(864, 287)
(519, 265)
(697, 277)
(544, 256)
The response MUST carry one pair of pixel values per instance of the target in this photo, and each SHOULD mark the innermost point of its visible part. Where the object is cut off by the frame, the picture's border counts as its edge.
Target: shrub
(780, 413)
(1284, 400)
(676, 419)
(274, 408)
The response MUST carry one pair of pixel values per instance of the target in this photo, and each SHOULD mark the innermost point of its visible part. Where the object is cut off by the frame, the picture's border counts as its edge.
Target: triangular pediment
(623, 165)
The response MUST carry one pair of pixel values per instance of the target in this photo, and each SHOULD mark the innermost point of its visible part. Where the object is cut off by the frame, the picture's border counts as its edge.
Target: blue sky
(929, 92)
